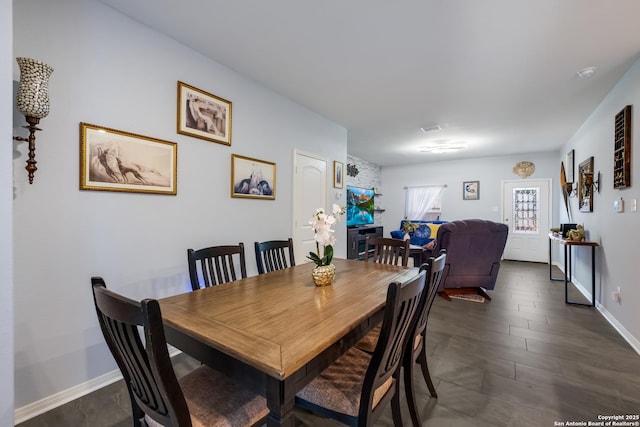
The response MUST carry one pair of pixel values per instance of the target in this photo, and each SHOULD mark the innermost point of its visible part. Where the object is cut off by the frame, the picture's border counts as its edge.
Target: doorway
(526, 209)
(309, 193)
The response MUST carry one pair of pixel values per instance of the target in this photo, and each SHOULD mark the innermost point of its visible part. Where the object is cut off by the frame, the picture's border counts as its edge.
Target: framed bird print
(113, 160)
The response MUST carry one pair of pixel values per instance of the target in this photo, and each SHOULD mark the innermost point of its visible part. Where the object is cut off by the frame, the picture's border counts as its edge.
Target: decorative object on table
(576, 235)
(112, 160)
(322, 224)
(32, 100)
(408, 227)
(203, 115)
(252, 178)
(524, 169)
(585, 185)
(471, 190)
(338, 173)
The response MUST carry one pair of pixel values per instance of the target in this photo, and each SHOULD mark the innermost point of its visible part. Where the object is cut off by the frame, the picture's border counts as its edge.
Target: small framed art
(338, 174)
(471, 190)
(252, 178)
(203, 115)
(113, 160)
(570, 166)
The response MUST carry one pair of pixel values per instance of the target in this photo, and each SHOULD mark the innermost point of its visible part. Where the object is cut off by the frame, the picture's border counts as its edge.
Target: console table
(568, 245)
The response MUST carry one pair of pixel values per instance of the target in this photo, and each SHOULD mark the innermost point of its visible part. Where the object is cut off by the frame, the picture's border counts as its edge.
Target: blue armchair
(426, 231)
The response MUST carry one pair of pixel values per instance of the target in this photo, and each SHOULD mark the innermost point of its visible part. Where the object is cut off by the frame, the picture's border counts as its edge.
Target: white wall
(616, 232)
(6, 194)
(113, 72)
(489, 171)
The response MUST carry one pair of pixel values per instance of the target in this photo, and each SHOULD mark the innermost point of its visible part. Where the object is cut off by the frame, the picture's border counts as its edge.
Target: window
(423, 202)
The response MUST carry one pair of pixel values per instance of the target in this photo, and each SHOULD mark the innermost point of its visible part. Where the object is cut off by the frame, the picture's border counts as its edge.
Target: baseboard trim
(65, 396)
(624, 333)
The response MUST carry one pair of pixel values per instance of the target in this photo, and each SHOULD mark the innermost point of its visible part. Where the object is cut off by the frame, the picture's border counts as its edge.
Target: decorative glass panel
(525, 210)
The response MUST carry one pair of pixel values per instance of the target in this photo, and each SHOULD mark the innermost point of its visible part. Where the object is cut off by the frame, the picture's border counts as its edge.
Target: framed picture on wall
(113, 160)
(203, 115)
(338, 174)
(471, 190)
(252, 178)
(570, 166)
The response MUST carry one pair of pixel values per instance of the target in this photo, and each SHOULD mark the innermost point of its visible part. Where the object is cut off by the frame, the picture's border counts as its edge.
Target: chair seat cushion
(369, 341)
(215, 400)
(338, 388)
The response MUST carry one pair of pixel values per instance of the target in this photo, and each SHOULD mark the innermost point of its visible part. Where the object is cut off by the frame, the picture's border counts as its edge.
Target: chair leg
(422, 359)
(395, 409)
(410, 394)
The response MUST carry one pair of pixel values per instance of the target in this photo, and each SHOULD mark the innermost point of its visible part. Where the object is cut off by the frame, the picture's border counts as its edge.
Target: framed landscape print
(252, 178)
(113, 160)
(338, 173)
(203, 115)
(471, 190)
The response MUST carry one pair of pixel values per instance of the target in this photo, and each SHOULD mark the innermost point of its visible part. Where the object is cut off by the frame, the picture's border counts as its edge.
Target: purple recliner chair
(474, 248)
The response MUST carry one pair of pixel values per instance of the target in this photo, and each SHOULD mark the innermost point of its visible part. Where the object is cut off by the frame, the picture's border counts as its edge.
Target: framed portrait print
(113, 160)
(252, 178)
(203, 115)
(471, 190)
(585, 185)
(338, 173)
(570, 166)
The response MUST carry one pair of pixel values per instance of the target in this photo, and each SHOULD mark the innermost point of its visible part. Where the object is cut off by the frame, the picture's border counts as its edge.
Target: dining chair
(356, 388)
(216, 265)
(416, 351)
(272, 255)
(203, 397)
(387, 251)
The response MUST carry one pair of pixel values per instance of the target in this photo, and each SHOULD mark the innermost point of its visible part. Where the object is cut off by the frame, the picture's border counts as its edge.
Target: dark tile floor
(523, 359)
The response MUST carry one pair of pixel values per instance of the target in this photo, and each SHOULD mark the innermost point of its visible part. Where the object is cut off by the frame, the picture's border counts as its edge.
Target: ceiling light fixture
(585, 73)
(442, 147)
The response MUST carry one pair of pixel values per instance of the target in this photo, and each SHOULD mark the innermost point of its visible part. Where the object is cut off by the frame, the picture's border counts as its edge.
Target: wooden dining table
(275, 332)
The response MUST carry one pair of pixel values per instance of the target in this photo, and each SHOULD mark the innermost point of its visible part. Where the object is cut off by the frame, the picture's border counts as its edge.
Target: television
(359, 206)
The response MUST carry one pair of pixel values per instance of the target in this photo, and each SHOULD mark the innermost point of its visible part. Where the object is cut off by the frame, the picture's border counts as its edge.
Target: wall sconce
(590, 183)
(570, 190)
(32, 100)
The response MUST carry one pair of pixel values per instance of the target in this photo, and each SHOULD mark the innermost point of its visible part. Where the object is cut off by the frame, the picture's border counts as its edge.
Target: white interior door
(309, 194)
(526, 209)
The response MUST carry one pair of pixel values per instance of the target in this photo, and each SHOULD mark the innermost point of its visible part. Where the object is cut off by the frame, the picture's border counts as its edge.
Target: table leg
(280, 405)
(566, 271)
(556, 279)
(593, 276)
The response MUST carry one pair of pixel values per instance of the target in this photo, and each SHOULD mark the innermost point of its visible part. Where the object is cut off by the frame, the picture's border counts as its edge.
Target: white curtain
(420, 200)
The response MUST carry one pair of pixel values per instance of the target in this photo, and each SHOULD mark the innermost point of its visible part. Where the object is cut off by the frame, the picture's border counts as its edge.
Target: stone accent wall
(369, 176)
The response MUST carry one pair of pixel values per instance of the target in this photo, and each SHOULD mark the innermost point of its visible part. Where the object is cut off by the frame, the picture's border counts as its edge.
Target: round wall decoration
(524, 169)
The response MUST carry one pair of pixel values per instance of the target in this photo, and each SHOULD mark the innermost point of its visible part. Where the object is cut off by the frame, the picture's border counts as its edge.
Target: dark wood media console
(356, 238)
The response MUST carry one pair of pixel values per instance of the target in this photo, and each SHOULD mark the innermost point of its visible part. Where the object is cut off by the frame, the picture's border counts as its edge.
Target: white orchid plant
(322, 224)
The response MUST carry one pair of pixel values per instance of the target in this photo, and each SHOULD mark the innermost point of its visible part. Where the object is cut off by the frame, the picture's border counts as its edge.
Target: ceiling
(498, 76)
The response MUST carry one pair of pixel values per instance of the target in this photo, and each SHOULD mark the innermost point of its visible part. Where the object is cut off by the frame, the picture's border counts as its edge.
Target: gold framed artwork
(203, 115)
(252, 178)
(338, 174)
(471, 190)
(113, 160)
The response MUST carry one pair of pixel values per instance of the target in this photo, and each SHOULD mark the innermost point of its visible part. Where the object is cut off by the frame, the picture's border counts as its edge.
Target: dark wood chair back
(274, 255)
(403, 303)
(387, 250)
(153, 387)
(416, 351)
(216, 265)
